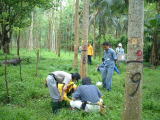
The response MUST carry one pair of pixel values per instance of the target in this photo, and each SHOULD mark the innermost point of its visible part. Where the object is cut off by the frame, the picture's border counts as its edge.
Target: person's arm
(76, 95)
(65, 97)
(99, 92)
(114, 55)
(67, 79)
(75, 87)
(63, 91)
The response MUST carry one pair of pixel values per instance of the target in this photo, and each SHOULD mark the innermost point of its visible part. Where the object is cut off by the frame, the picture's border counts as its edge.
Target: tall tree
(30, 41)
(85, 25)
(49, 32)
(18, 41)
(76, 34)
(133, 83)
(6, 81)
(14, 13)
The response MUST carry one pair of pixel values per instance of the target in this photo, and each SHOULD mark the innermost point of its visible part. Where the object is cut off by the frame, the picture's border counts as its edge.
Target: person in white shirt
(119, 49)
(52, 81)
(120, 54)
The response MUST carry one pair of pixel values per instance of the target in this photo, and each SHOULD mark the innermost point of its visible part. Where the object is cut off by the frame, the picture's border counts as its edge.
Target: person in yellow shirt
(70, 89)
(64, 103)
(90, 53)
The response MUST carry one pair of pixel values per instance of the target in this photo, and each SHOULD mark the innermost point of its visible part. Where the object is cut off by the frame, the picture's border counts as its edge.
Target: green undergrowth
(30, 99)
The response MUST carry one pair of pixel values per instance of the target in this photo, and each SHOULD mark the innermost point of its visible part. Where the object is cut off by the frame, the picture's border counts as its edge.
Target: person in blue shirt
(87, 97)
(101, 67)
(109, 63)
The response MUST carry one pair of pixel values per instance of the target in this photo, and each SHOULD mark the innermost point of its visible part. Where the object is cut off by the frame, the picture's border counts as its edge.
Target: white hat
(120, 44)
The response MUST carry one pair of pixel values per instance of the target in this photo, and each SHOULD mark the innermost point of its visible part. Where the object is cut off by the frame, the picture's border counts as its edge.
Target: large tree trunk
(76, 34)
(155, 56)
(85, 24)
(133, 83)
(30, 45)
(94, 38)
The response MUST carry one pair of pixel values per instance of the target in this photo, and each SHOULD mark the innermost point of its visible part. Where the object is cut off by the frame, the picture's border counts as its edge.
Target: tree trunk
(94, 38)
(18, 39)
(6, 81)
(20, 69)
(155, 56)
(49, 32)
(59, 42)
(76, 34)
(133, 83)
(155, 49)
(5, 38)
(31, 33)
(37, 54)
(85, 26)
(0, 41)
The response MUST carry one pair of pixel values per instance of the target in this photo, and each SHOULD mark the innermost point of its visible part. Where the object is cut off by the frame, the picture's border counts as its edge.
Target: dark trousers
(89, 59)
(56, 106)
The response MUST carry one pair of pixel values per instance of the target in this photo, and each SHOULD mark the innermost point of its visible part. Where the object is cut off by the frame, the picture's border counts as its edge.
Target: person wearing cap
(119, 49)
(120, 53)
(52, 81)
(87, 97)
(109, 63)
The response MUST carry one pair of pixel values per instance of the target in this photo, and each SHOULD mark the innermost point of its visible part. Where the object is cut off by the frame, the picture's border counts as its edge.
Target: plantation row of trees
(57, 25)
(67, 24)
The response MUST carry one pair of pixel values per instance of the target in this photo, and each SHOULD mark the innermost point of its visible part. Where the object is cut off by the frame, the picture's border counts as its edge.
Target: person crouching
(87, 97)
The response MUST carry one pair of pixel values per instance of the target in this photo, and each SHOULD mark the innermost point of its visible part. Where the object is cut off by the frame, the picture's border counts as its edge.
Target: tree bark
(6, 81)
(30, 45)
(76, 34)
(0, 40)
(49, 32)
(37, 54)
(5, 38)
(155, 56)
(18, 41)
(94, 38)
(85, 25)
(134, 78)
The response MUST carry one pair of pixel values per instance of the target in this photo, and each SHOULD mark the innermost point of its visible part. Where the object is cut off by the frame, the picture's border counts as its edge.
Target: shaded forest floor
(30, 99)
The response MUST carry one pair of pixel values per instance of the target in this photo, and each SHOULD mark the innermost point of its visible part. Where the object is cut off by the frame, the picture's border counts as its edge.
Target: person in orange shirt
(90, 53)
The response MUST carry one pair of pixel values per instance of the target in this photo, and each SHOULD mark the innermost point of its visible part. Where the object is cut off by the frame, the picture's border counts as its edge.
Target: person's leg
(92, 108)
(108, 80)
(54, 93)
(52, 86)
(76, 104)
(104, 75)
(56, 105)
(89, 59)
